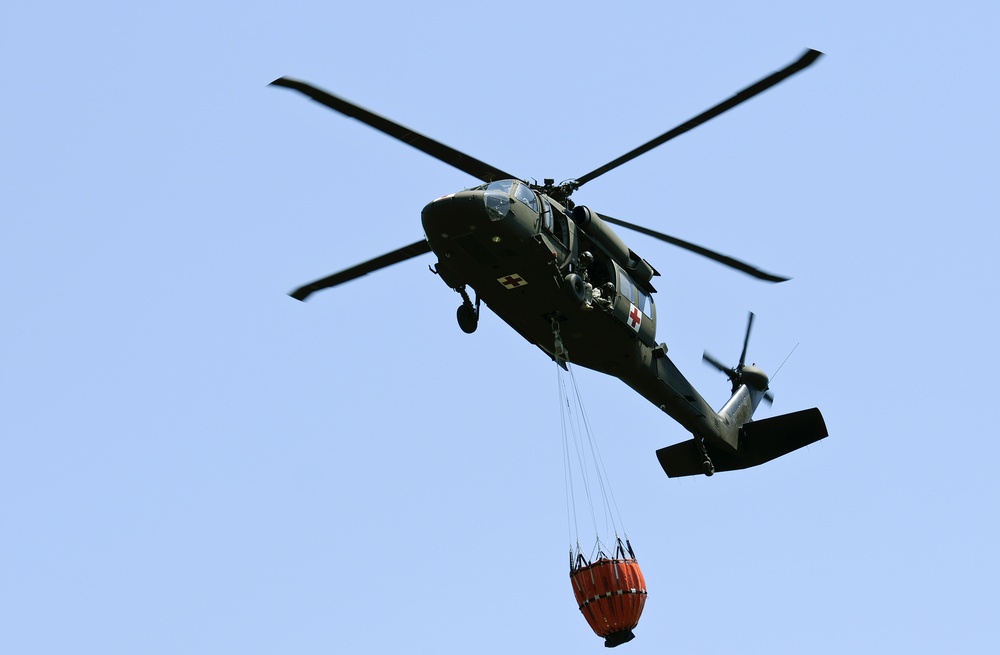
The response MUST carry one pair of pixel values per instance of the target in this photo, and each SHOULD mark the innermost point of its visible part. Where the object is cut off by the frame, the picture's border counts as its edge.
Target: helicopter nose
(454, 214)
(479, 221)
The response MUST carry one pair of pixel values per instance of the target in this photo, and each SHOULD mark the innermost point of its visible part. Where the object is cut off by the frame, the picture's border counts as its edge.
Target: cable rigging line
(585, 451)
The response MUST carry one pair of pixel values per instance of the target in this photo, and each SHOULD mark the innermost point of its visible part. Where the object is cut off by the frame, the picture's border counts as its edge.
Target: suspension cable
(575, 425)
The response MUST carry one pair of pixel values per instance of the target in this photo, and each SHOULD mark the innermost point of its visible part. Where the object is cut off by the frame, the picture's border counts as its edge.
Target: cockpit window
(546, 215)
(527, 196)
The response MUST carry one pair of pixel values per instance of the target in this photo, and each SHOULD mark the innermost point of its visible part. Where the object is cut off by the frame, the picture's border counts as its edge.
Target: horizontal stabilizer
(681, 459)
(760, 441)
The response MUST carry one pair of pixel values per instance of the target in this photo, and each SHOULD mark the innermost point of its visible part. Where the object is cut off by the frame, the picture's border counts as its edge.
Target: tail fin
(760, 441)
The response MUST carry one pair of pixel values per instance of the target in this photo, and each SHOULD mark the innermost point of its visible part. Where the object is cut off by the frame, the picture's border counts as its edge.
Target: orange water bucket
(611, 594)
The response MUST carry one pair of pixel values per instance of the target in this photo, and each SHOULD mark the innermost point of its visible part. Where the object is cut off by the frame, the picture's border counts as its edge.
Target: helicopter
(558, 274)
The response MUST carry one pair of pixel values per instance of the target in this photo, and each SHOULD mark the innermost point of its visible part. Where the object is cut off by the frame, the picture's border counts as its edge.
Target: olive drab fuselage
(515, 248)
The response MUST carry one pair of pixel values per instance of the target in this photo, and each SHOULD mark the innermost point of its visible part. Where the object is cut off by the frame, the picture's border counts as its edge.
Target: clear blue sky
(193, 462)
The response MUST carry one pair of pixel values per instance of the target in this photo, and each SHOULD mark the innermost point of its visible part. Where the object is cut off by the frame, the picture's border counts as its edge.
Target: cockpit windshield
(517, 190)
(502, 186)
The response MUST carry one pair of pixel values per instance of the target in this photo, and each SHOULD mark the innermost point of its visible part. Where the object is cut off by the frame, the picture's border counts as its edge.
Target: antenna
(783, 363)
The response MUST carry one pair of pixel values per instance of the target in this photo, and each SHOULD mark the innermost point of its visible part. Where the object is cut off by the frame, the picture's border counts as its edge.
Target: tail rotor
(741, 373)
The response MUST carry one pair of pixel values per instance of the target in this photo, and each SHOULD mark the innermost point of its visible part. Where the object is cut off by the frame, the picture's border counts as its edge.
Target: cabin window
(560, 226)
(628, 289)
(644, 302)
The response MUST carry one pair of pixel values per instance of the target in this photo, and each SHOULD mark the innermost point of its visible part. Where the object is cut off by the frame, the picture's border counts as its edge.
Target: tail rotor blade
(717, 364)
(746, 341)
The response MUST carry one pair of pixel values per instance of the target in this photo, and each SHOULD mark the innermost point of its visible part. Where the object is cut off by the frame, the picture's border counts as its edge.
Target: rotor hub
(754, 377)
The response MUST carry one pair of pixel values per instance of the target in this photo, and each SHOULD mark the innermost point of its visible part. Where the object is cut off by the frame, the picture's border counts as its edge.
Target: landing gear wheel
(468, 314)
(576, 287)
(468, 318)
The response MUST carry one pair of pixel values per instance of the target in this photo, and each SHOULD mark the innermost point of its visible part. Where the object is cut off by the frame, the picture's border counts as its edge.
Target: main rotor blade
(459, 160)
(802, 62)
(704, 252)
(407, 252)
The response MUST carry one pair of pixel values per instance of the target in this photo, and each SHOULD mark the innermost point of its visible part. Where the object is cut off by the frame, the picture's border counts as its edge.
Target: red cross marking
(634, 318)
(512, 281)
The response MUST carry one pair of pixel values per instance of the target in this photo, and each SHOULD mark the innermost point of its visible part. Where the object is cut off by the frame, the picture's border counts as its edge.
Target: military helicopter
(559, 275)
